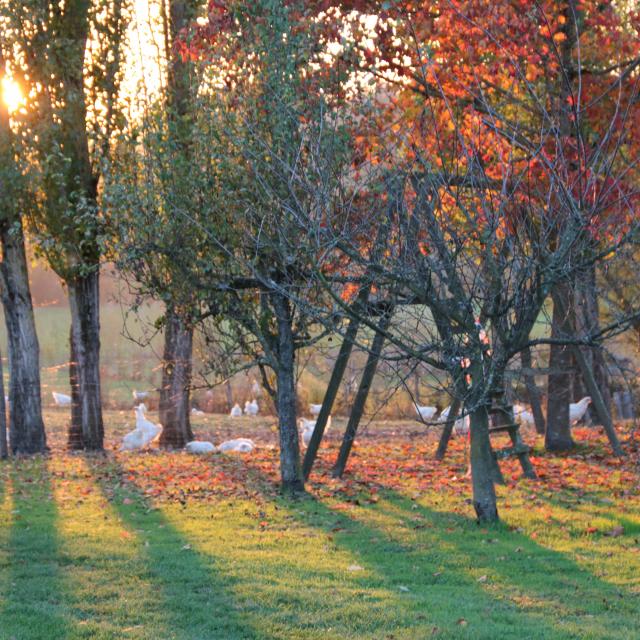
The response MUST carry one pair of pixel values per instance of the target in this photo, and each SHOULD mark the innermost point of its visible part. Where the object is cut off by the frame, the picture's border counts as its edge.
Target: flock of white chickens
(521, 414)
(146, 432)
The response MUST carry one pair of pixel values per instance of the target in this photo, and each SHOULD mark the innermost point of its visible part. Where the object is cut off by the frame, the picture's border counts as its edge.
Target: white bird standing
(307, 426)
(199, 447)
(61, 399)
(251, 408)
(461, 425)
(151, 430)
(426, 412)
(523, 416)
(239, 445)
(236, 411)
(315, 409)
(144, 433)
(578, 409)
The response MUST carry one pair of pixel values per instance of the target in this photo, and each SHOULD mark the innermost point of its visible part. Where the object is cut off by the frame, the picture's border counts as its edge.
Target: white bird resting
(251, 408)
(144, 433)
(140, 395)
(61, 399)
(578, 409)
(196, 412)
(236, 411)
(199, 447)
(315, 409)
(239, 445)
(426, 412)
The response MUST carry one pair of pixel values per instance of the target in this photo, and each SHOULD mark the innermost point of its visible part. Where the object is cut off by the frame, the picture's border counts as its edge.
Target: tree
(26, 427)
(71, 55)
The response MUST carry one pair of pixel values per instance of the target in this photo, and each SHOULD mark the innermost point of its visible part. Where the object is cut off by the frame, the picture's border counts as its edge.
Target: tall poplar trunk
(84, 303)
(75, 441)
(558, 433)
(26, 428)
(290, 464)
(4, 445)
(176, 383)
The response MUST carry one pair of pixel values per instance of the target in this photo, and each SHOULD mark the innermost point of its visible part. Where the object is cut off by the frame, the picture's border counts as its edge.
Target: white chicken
(461, 425)
(199, 447)
(239, 445)
(251, 408)
(523, 416)
(425, 412)
(61, 399)
(236, 411)
(151, 431)
(578, 409)
(144, 433)
(307, 427)
(196, 412)
(315, 409)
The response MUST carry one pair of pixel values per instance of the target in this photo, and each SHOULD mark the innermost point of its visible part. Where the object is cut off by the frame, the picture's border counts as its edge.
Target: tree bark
(292, 479)
(482, 467)
(75, 441)
(361, 398)
(532, 390)
(176, 383)
(558, 433)
(4, 445)
(26, 428)
(84, 302)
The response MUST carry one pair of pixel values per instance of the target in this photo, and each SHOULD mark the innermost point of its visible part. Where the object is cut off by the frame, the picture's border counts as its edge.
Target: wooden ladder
(502, 419)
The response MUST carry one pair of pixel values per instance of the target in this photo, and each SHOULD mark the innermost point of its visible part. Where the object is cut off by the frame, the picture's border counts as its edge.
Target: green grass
(84, 553)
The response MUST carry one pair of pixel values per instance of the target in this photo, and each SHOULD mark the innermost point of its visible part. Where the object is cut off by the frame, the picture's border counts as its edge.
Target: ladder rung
(512, 451)
(504, 427)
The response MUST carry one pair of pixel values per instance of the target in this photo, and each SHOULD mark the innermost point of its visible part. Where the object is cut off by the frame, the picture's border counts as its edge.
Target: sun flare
(12, 94)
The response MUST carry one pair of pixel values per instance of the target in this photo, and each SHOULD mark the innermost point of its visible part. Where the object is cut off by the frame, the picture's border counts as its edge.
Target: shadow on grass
(35, 600)
(541, 580)
(195, 599)
(501, 582)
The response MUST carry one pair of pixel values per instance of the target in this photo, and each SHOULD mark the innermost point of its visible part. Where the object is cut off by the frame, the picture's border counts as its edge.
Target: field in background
(132, 348)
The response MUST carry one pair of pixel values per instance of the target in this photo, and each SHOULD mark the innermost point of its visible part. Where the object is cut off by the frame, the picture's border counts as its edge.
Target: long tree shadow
(195, 598)
(445, 596)
(34, 598)
(539, 579)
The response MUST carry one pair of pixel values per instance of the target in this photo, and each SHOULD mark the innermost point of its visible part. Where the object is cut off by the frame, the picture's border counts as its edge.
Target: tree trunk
(532, 390)
(26, 429)
(176, 383)
(290, 465)
(330, 395)
(361, 398)
(84, 303)
(75, 441)
(482, 467)
(558, 433)
(4, 449)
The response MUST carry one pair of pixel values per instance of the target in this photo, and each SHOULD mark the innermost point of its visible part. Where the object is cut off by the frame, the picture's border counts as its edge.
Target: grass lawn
(159, 545)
